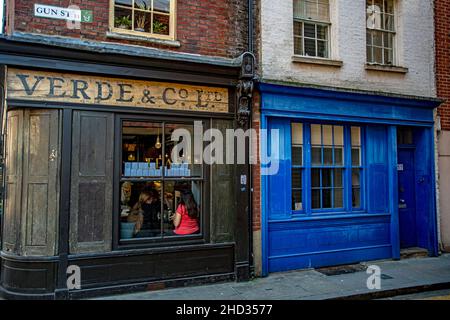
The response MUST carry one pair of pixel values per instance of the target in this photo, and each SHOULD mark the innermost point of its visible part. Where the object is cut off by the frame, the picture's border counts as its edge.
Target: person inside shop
(148, 210)
(186, 217)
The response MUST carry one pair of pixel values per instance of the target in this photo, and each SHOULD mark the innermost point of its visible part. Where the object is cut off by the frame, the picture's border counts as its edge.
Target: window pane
(339, 156)
(142, 21)
(323, 10)
(328, 135)
(388, 40)
(182, 205)
(298, 46)
(369, 54)
(322, 32)
(140, 210)
(378, 55)
(316, 135)
(356, 198)
(143, 5)
(388, 57)
(123, 18)
(316, 156)
(315, 177)
(310, 30)
(297, 133)
(356, 181)
(338, 135)
(315, 199)
(297, 202)
(377, 38)
(338, 178)
(179, 155)
(299, 8)
(326, 200)
(310, 47)
(161, 5)
(327, 156)
(389, 6)
(297, 156)
(356, 156)
(338, 198)
(298, 28)
(142, 149)
(356, 136)
(161, 24)
(326, 178)
(322, 49)
(389, 22)
(297, 178)
(124, 3)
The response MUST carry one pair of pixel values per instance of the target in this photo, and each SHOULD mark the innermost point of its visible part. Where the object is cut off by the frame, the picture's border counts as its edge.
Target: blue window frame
(327, 172)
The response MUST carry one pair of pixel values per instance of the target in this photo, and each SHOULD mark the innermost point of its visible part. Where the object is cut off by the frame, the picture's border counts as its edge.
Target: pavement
(398, 278)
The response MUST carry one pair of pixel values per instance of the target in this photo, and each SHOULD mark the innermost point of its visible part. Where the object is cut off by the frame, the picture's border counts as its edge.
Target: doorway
(407, 198)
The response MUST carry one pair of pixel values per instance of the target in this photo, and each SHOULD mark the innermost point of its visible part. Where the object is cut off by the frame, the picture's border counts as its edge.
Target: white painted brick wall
(415, 50)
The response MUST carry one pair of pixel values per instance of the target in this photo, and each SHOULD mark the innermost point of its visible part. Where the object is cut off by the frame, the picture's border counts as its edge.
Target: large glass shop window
(161, 195)
(319, 152)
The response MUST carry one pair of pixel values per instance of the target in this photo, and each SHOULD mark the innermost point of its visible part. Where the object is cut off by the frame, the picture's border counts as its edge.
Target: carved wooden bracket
(245, 89)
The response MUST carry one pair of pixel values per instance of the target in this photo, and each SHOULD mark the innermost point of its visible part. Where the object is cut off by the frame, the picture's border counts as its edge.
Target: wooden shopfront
(86, 149)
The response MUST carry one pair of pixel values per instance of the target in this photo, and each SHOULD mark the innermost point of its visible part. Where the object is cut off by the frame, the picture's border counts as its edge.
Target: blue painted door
(407, 198)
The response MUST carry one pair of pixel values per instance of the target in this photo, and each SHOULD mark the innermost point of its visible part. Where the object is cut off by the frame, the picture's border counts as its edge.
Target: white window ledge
(317, 61)
(386, 68)
(121, 36)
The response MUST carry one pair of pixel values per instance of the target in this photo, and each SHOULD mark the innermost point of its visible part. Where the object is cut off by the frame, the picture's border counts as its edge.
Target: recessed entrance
(413, 184)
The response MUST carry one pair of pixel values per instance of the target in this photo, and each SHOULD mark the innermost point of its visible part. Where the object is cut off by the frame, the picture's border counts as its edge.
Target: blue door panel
(280, 184)
(378, 174)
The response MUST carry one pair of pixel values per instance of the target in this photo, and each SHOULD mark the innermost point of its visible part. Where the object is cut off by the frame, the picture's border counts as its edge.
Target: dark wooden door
(91, 202)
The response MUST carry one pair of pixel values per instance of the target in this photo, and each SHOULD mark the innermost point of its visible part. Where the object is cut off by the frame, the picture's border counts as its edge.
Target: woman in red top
(186, 216)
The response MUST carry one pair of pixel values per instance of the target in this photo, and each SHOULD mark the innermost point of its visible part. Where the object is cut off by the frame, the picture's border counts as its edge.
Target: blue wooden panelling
(299, 241)
(377, 169)
(334, 105)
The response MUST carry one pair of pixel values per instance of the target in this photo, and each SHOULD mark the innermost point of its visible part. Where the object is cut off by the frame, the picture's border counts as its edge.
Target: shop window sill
(317, 61)
(386, 68)
(122, 36)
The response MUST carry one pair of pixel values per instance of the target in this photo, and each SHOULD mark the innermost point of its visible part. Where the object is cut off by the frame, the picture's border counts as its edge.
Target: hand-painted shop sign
(83, 89)
(70, 14)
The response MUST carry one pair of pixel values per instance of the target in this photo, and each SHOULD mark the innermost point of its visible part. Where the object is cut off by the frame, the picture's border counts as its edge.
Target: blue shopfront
(356, 178)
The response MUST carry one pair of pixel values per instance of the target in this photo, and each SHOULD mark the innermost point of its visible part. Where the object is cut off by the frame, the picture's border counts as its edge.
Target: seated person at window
(185, 219)
(148, 209)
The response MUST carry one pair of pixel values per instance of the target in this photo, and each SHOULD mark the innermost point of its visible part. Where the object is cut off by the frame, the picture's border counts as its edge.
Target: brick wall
(256, 171)
(206, 27)
(442, 27)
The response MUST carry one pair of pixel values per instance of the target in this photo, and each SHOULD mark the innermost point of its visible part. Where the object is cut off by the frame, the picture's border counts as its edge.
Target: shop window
(149, 18)
(161, 195)
(312, 28)
(380, 32)
(321, 169)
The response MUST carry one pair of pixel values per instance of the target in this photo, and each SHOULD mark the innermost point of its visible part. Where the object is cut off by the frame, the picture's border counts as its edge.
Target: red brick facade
(256, 170)
(212, 28)
(442, 18)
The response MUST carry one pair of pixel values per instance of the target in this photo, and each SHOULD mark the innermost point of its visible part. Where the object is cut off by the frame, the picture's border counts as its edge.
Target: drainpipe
(250, 176)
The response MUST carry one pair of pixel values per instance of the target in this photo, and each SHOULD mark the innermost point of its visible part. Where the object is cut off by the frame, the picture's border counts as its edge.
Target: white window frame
(2, 15)
(316, 23)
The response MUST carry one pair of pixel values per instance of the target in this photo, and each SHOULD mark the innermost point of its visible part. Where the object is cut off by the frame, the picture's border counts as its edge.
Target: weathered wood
(223, 195)
(14, 153)
(92, 182)
(62, 87)
(32, 197)
(40, 195)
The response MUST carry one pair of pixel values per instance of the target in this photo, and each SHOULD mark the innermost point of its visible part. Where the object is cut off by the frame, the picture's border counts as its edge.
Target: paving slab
(410, 275)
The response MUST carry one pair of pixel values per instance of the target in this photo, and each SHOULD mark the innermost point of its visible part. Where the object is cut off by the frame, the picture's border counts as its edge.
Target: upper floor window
(312, 28)
(151, 18)
(380, 32)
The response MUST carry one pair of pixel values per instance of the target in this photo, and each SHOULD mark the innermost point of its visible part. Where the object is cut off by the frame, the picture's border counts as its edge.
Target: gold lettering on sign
(59, 87)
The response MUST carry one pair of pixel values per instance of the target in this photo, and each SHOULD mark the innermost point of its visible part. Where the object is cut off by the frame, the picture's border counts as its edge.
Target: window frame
(316, 23)
(172, 23)
(347, 167)
(118, 179)
(383, 32)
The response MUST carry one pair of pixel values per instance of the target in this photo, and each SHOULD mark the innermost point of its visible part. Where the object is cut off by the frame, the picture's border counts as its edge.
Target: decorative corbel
(245, 89)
